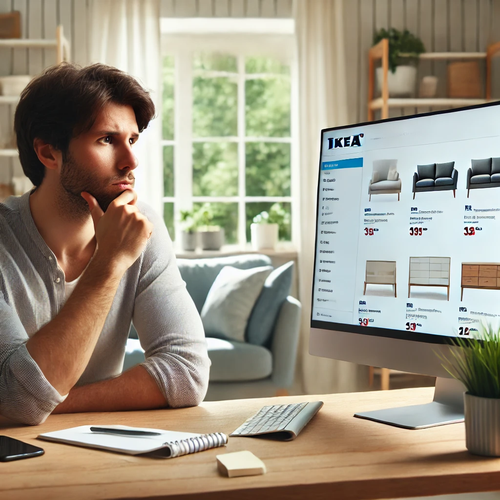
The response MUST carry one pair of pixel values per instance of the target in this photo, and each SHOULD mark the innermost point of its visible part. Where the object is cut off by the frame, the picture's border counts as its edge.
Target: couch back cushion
(266, 310)
(381, 169)
(426, 171)
(444, 169)
(495, 166)
(481, 167)
(199, 274)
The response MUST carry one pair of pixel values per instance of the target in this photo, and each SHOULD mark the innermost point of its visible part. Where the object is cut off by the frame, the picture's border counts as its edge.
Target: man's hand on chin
(122, 231)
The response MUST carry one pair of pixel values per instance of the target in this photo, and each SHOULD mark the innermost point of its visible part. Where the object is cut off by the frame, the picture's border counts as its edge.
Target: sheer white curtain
(126, 34)
(322, 103)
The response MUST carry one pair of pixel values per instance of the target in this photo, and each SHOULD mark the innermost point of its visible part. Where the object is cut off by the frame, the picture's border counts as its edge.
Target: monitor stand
(446, 408)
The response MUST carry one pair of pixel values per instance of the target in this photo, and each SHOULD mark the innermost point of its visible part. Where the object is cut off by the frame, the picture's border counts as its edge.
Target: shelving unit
(62, 48)
(384, 103)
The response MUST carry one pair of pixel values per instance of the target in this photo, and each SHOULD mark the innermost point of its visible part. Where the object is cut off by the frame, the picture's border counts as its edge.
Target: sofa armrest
(285, 342)
(469, 175)
(415, 179)
(455, 177)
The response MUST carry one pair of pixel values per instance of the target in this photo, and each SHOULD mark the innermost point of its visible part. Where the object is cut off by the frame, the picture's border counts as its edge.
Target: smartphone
(13, 449)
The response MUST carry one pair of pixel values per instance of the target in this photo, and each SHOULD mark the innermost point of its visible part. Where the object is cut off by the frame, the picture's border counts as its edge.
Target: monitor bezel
(425, 337)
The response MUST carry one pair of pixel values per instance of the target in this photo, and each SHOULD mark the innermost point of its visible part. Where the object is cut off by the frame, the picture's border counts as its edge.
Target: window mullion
(241, 152)
(183, 160)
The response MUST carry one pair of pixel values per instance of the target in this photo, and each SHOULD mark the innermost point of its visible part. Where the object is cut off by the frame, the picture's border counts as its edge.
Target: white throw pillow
(230, 301)
(392, 175)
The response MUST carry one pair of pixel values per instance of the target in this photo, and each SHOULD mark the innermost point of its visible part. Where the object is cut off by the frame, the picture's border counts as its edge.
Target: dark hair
(64, 102)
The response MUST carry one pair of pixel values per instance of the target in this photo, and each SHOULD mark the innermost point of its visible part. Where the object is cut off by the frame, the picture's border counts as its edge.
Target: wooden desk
(336, 456)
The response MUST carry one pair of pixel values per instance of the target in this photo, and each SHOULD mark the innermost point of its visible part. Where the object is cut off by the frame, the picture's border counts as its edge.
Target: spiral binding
(198, 443)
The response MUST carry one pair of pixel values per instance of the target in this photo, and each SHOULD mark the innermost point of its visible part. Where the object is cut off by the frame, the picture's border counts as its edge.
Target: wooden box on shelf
(10, 25)
(464, 80)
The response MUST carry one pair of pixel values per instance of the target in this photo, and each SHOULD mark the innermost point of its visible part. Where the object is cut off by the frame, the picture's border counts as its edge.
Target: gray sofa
(241, 369)
(483, 173)
(435, 177)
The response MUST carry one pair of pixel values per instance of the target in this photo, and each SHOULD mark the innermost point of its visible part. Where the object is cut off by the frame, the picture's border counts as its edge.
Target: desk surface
(335, 456)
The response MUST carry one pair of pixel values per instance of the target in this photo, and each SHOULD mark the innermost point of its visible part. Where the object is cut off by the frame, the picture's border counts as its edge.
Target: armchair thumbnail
(385, 178)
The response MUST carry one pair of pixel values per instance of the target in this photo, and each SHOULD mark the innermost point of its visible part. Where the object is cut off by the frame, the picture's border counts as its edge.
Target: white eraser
(240, 463)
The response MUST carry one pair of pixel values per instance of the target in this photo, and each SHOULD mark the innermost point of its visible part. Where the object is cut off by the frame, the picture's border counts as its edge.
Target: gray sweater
(151, 294)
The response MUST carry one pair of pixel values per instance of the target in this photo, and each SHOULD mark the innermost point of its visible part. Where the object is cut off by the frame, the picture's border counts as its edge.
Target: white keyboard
(286, 421)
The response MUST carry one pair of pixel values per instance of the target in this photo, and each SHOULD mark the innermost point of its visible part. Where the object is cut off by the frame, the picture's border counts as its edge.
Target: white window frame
(182, 43)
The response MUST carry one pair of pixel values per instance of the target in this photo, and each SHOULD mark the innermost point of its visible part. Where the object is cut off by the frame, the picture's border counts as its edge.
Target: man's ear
(47, 154)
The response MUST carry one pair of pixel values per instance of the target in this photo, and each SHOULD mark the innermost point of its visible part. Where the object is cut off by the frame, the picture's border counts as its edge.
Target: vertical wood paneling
(268, 8)
(50, 24)
(470, 27)
(351, 37)
(425, 25)
(441, 43)
(221, 8)
(205, 8)
(366, 8)
(397, 14)
(185, 8)
(495, 37)
(20, 56)
(80, 39)
(65, 9)
(284, 8)
(484, 24)
(253, 8)
(455, 25)
(411, 19)
(237, 8)
(5, 122)
(35, 30)
(381, 14)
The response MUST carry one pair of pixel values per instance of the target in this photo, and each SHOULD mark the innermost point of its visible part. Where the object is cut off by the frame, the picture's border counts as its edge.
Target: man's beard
(76, 178)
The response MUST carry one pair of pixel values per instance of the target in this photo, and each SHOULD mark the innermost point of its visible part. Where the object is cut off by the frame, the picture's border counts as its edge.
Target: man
(80, 258)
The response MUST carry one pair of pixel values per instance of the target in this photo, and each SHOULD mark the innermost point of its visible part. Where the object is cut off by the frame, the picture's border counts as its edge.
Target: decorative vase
(188, 240)
(401, 83)
(482, 425)
(211, 240)
(264, 235)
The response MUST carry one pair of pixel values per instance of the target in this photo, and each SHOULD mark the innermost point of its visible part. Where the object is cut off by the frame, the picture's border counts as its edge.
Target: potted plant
(264, 230)
(404, 47)
(477, 366)
(211, 235)
(188, 230)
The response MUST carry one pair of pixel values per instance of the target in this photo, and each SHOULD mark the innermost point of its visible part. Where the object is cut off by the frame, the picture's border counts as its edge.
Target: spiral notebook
(166, 444)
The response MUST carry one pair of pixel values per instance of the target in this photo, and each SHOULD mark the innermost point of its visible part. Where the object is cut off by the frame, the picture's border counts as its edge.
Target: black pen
(124, 432)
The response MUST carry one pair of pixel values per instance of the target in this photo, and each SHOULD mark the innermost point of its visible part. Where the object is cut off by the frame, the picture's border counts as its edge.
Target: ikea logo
(350, 141)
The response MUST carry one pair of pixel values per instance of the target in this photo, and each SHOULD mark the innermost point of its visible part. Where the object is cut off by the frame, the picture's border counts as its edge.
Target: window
(227, 121)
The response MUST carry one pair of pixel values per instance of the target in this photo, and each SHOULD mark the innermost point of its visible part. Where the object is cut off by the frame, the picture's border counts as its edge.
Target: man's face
(101, 161)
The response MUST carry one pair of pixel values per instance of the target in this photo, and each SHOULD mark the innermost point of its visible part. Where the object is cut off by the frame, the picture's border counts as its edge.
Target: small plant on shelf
(403, 46)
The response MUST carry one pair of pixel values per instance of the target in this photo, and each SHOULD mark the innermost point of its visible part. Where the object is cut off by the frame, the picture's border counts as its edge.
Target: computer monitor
(407, 246)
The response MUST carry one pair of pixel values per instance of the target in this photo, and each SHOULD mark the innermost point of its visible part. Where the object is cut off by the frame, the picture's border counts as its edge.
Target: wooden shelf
(9, 99)
(27, 43)
(415, 102)
(8, 152)
(384, 103)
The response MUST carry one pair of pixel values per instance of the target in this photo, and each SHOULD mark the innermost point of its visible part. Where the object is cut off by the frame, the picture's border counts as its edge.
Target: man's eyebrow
(114, 132)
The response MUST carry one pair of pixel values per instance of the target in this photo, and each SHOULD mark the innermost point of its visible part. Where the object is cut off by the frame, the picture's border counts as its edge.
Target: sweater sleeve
(168, 324)
(26, 396)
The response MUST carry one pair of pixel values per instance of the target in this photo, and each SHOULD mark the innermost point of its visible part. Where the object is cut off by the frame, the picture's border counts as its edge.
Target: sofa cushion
(386, 186)
(480, 179)
(199, 274)
(495, 177)
(495, 165)
(376, 177)
(444, 181)
(481, 167)
(267, 307)
(444, 169)
(392, 175)
(425, 183)
(231, 300)
(238, 361)
(426, 171)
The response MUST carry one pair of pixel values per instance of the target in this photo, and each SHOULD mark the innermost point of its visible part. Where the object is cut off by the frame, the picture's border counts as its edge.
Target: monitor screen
(407, 234)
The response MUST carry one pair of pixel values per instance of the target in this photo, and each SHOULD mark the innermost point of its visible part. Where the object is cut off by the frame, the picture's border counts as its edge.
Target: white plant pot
(189, 240)
(400, 83)
(264, 236)
(211, 240)
(482, 425)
